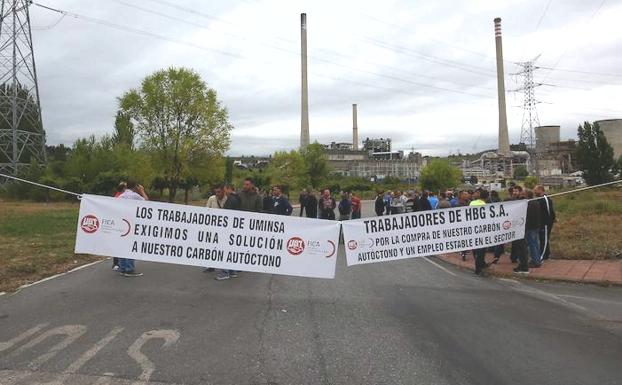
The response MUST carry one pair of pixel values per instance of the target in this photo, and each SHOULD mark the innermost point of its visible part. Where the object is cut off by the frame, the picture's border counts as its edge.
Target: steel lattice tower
(530, 113)
(22, 138)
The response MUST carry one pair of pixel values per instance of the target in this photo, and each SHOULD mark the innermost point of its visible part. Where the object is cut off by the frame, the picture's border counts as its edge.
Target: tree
(316, 163)
(288, 169)
(179, 120)
(439, 175)
(531, 181)
(520, 172)
(594, 154)
(123, 130)
(228, 170)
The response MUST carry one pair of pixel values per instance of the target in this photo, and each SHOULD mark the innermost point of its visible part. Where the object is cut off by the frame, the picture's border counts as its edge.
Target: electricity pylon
(22, 138)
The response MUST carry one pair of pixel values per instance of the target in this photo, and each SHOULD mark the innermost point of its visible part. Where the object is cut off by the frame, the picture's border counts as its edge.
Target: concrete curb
(504, 275)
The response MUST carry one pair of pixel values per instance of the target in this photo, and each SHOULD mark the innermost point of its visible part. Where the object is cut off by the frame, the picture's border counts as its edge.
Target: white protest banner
(198, 236)
(433, 232)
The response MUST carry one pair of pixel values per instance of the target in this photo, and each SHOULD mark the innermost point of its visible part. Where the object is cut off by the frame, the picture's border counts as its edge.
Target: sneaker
(222, 276)
(534, 265)
(208, 269)
(132, 274)
(521, 271)
(115, 268)
(233, 274)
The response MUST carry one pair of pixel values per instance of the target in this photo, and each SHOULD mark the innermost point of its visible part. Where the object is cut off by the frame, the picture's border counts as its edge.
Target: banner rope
(41, 185)
(80, 195)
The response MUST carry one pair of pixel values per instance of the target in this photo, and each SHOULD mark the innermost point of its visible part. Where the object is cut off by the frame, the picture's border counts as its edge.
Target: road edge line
(56, 276)
(440, 267)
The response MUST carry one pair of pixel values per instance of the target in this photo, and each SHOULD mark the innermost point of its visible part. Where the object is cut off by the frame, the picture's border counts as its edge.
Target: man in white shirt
(217, 201)
(136, 192)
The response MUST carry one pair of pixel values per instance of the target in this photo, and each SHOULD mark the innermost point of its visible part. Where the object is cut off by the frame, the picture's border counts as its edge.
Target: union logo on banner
(89, 224)
(352, 245)
(295, 245)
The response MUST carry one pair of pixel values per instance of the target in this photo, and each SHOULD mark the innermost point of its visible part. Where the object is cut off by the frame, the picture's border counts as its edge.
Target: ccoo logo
(295, 245)
(89, 224)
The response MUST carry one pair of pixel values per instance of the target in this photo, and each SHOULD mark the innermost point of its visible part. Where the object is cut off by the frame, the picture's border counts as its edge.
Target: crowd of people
(527, 253)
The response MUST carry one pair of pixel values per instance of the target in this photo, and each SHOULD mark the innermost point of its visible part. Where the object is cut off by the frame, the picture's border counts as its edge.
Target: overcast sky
(422, 72)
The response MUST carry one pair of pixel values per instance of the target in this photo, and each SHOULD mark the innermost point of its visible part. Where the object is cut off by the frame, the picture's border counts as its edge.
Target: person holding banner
(479, 199)
(136, 192)
(547, 214)
(532, 229)
(232, 202)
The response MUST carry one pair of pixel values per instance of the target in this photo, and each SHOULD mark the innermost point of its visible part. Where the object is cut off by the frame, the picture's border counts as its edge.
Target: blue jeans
(533, 242)
(126, 265)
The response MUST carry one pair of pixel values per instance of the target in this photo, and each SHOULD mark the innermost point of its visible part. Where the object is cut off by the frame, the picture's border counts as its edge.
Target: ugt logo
(295, 245)
(89, 224)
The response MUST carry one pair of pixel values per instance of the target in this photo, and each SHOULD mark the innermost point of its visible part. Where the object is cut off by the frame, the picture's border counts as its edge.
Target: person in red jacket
(356, 206)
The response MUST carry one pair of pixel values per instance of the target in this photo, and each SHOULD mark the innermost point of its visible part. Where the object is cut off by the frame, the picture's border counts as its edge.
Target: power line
(162, 37)
(135, 30)
(566, 50)
(296, 53)
(581, 72)
(543, 14)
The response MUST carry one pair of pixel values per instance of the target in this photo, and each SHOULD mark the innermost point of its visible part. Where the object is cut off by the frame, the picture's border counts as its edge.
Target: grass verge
(37, 241)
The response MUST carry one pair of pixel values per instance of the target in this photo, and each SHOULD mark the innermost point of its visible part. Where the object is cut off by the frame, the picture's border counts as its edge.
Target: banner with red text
(198, 236)
(418, 234)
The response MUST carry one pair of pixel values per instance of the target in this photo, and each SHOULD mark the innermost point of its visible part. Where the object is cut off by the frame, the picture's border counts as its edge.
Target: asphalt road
(415, 321)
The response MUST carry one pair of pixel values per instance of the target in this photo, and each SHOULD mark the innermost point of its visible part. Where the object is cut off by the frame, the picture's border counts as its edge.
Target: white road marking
(85, 357)
(27, 334)
(73, 332)
(440, 267)
(57, 275)
(170, 337)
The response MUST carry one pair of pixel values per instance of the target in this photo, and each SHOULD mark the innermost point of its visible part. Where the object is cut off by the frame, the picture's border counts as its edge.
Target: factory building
(375, 160)
(612, 128)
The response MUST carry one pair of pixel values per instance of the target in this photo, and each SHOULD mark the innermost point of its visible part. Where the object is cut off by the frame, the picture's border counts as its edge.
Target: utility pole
(22, 138)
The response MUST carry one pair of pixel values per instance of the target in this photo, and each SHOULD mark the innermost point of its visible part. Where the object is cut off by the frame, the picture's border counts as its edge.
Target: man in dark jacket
(345, 207)
(379, 203)
(250, 200)
(281, 204)
(547, 214)
(310, 205)
(532, 227)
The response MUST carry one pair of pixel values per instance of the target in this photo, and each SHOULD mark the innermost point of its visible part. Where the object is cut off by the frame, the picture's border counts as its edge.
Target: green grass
(36, 241)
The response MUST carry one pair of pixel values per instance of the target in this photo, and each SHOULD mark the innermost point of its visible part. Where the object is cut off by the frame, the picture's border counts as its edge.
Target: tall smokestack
(504, 141)
(304, 123)
(355, 130)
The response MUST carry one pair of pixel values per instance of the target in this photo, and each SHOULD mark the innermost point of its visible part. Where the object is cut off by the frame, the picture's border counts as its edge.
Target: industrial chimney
(355, 130)
(504, 141)
(304, 123)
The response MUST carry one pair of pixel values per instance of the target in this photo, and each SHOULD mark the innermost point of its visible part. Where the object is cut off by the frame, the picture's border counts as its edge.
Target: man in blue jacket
(281, 204)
